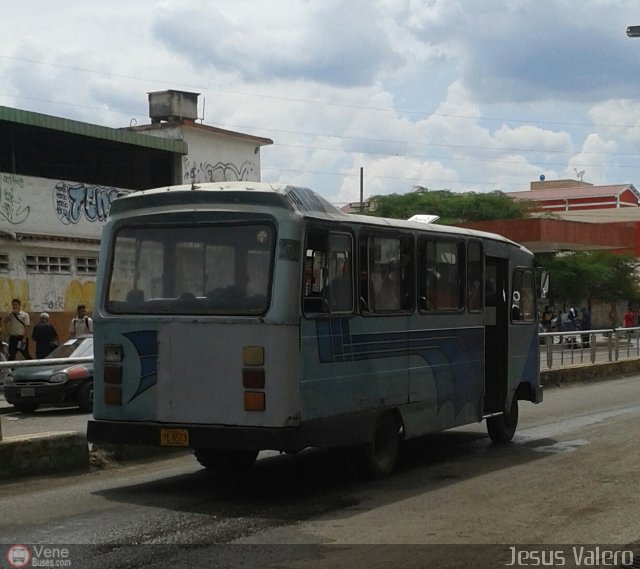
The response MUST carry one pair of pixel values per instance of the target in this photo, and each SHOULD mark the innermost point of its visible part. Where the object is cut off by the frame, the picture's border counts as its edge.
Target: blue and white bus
(236, 317)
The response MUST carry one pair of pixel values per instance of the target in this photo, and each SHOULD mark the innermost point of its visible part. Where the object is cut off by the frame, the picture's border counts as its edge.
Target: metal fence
(558, 349)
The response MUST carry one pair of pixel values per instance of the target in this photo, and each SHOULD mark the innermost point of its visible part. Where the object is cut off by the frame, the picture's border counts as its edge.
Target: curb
(44, 453)
(589, 372)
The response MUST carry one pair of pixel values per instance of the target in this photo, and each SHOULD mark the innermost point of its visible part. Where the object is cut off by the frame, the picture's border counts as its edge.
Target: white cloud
(451, 94)
(592, 159)
(619, 118)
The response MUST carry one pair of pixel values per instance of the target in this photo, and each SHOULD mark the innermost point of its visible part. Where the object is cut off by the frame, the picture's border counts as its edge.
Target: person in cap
(45, 336)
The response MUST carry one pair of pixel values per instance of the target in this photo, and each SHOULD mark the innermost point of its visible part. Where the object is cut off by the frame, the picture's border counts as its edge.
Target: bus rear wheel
(227, 460)
(382, 450)
(502, 427)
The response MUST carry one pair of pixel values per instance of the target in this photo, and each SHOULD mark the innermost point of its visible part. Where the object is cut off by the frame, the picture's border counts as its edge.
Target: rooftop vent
(173, 106)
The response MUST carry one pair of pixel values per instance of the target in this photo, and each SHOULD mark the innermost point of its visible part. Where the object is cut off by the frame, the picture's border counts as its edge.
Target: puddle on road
(553, 430)
(562, 446)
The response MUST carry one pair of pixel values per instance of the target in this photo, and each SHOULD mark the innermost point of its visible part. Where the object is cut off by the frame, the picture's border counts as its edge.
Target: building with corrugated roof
(570, 196)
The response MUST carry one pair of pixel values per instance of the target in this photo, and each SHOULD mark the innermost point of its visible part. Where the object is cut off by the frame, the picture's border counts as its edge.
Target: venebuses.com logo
(19, 556)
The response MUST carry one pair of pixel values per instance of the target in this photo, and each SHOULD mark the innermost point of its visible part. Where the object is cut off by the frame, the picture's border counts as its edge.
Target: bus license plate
(28, 392)
(174, 437)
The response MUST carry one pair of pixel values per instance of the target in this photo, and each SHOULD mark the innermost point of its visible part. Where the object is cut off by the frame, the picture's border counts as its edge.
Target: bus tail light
(253, 356)
(113, 374)
(254, 401)
(253, 378)
(113, 395)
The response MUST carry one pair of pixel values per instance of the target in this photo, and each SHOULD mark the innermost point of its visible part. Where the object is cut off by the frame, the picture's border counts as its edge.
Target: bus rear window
(209, 269)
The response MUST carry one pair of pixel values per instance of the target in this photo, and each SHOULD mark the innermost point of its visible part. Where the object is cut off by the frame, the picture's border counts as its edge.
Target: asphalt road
(570, 477)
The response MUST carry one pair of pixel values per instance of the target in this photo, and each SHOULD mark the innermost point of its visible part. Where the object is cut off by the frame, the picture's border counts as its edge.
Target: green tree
(583, 275)
(452, 207)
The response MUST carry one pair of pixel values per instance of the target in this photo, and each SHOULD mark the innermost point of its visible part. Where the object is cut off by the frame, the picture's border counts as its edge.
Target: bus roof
(299, 199)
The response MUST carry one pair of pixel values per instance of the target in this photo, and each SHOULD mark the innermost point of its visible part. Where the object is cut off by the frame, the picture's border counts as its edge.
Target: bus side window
(474, 276)
(328, 273)
(441, 274)
(387, 276)
(522, 296)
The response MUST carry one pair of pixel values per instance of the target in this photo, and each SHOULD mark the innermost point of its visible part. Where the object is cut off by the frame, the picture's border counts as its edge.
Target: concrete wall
(220, 158)
(42, 206)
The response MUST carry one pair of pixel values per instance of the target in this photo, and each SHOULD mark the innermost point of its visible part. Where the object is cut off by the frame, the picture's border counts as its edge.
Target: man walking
(45, 336)
(81, 324)
(17, 325)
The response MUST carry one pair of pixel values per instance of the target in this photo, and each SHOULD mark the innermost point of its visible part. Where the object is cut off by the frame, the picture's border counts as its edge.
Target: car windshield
(75, 347)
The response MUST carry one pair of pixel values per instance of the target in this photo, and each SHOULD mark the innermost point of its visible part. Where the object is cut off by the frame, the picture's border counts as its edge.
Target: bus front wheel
(382, 450)
(226, 459)
(502, 427)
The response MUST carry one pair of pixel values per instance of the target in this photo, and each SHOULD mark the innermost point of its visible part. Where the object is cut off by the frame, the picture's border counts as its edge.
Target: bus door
(496, 346)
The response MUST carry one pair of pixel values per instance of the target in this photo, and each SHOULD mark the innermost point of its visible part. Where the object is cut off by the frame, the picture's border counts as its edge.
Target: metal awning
(120, 135)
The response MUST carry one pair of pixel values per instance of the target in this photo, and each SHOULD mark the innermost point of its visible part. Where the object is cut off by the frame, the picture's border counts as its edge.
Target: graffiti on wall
(11, 207)
(60, 299)
(73, 201)
(218, 172)
(52, 301)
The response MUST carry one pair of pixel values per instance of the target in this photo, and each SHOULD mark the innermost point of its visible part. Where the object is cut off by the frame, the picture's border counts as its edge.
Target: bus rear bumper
(338, 431)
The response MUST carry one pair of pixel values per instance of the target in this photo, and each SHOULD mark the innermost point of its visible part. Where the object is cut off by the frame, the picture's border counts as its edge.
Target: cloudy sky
(466, 95)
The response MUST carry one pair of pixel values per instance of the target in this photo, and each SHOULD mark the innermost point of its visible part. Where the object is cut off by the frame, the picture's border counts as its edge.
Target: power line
(421, 113)
(459, 159)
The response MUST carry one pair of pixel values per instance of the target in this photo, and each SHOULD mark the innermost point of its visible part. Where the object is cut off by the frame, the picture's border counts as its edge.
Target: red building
(570, 195)
(573, 215)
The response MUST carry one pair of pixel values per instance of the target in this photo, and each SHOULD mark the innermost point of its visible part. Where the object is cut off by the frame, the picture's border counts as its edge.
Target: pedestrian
(45, 336)
(17, 325)
(629, 319)
(547, 316)
(4, 355)
(557, 325)
(572, 325)
(81, 324)
(585, 325)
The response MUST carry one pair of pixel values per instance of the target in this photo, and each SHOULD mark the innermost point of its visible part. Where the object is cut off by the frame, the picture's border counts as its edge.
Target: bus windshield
(203, 269)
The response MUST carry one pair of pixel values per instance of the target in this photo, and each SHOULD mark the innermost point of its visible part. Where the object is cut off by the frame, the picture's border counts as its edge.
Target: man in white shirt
(17, 326)
(81, 324)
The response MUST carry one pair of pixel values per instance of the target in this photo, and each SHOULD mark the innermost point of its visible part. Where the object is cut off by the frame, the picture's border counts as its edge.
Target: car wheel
(25, 407)
(84, 397)
(502, 427)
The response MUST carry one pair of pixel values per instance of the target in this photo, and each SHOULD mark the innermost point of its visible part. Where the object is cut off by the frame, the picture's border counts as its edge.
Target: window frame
(55, 264)
(461, 264)
(517, 299)
(405, 270)
(315, 303)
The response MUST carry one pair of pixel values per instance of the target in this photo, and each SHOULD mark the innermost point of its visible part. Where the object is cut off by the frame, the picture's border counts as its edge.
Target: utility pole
(361, 189)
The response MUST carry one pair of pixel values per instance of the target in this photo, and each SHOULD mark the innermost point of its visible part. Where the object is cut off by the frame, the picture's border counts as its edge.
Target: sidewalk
(41, 453)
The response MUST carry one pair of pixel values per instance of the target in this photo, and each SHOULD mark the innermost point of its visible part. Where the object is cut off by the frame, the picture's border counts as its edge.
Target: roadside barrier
(588, 347)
